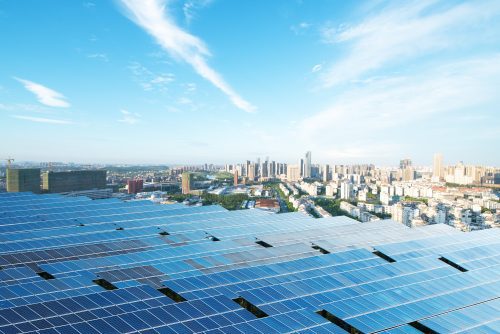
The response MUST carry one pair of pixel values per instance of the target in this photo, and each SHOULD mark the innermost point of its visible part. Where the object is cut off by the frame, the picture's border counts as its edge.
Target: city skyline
(195, 81)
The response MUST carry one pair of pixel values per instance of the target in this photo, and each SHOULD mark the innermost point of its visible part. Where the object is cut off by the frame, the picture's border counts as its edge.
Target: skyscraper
(307, 165)
(251, 172)
(326, 173)
(235, 178)
(186, 182)
(437, 166)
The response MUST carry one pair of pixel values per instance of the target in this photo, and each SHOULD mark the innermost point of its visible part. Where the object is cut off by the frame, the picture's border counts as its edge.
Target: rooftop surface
(74, 265)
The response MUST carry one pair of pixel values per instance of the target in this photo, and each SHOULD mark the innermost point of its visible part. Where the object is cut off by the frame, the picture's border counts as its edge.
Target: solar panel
(75, 265)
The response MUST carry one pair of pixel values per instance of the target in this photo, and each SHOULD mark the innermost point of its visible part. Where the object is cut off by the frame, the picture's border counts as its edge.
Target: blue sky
(224, 81)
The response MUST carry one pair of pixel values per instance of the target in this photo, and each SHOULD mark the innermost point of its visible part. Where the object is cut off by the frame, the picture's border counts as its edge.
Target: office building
(326, 173)
(251, 171)
(68, 181)
(293, 173)
(187, 182)
(23, 179)
(437, 167)
(408, 174)
(346, 190)
(134, 186)
(307, 165)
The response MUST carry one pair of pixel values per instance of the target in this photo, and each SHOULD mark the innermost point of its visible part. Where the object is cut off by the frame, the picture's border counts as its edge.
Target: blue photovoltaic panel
(75, 265)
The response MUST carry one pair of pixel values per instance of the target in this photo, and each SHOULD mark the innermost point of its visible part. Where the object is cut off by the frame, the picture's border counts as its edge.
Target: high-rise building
(78, 180)
(326, 173)
(292, 173)
(408, 174)
(23, 179)
(301, 167)
(405, 163)
(134, 186)
(187, 182)
(437, 166)
(247, 167)
(251, 172)
(235, 178)
(307, 165)
(346, 190)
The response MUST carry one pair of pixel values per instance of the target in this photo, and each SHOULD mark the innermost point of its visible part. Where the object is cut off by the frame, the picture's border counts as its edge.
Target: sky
(222, 81)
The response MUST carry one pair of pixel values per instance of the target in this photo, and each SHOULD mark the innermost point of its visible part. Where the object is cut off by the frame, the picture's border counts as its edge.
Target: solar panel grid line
(267, 278)
(73, 228)
(184, 313)
(378, 322)
(461, 319)
(104, 204)
(287, 322)
(338, 293)
(443, 250)
(304, 267)
(437, 248)
(490, 327)
(61, 307)
(51, 243)
(155, 222)
(42, 222)
(339, 231)
(412, 293)
(435, 240)
(355, 240)
(167, 252)
(36, 203)
(233, 289)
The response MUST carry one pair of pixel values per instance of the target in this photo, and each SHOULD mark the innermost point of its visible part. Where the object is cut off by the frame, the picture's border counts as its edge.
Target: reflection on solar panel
(73, 265)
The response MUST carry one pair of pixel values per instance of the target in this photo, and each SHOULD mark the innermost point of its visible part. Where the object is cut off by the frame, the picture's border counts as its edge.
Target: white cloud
(316, 68)
(300, 28)
(42, 120)
(184, 100)
(45, 95)
(129, 117)
(190, 6)
(149, 80)
(402, 32)
(153, 17)
(361, 120)
(99, 56)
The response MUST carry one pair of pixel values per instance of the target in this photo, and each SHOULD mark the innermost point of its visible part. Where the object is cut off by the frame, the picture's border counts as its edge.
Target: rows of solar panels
(73, 265)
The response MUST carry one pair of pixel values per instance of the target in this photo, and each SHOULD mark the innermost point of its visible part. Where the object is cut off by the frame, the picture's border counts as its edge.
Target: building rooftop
(75, 265)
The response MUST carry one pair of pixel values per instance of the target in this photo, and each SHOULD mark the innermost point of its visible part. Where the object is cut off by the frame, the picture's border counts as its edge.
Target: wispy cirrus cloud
(404, 107)
(45, 95)
(401, 32)
(191, 6)
(149, 80)
(42, 120)
(129, 117)
(99, 56)
(154, 18)
(300, 28)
